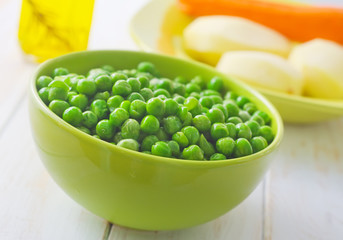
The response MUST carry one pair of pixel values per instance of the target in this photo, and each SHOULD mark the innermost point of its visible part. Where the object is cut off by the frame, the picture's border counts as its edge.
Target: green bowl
(138, 190)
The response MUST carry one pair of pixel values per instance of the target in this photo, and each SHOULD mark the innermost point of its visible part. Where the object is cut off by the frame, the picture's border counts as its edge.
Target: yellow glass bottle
(49, 28)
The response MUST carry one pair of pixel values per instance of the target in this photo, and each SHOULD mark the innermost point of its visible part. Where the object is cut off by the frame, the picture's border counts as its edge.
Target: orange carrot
(297, 22)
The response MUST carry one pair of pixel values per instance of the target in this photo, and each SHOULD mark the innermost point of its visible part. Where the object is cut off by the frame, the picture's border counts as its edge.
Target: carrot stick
(297, 22)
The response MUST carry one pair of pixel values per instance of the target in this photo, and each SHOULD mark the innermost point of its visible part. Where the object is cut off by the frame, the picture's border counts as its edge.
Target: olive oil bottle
(49, 28)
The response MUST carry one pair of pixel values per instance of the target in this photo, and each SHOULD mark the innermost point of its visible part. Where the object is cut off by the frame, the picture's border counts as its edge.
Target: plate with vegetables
(300, 70)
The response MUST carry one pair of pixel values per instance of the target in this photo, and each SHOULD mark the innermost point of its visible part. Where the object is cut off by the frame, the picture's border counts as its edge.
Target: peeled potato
(262, 69)
(321, 63)
(208, 37)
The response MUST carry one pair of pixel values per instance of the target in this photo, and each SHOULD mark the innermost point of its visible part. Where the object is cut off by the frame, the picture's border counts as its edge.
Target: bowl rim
(149, 157)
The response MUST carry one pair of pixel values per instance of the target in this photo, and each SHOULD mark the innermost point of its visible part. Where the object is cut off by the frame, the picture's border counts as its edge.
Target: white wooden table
(301, 197)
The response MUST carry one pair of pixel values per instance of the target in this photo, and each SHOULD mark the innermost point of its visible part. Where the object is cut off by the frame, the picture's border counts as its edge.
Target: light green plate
(161, 30)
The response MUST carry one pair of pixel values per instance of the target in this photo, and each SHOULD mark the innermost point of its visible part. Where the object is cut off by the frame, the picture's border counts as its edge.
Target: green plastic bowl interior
(138, 190)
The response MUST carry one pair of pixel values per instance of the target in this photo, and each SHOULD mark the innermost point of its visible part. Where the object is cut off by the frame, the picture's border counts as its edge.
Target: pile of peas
(142, 111)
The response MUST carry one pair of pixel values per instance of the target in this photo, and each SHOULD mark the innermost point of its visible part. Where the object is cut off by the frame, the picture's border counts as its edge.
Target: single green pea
(181, 139)
(202, 123)
(217, 156)
(172, 124)
(71, 94)
(72, 81)
(182, 113)
(161, 149)
(155, 106)
(99, 107)
(144, 81)
(206, 101)
(267, 133)
(137, 109)
(150, 124)
(73, 116)
(217, 99)
(244, 115)
(117, 76)
(79, 100)
(122, 88)
(131, 144)
(165, 83)
(232, 130)
(58, 107)
(205, 110)
(89, 119)
(102, 95)
(232, 108)
(96, 72)
(44, 94)
(199, 80)
(114, 102)
(118, 116)
(147, 67)
(179, 88)
(264, 115)
(108, 68)
(231, 95)
(130, 129)
(206, 146)
(243, 148)
(243, 131)
(175, 148)
(192, 87)
(258, 143)
(191, 103)
(225, 146)
(148, 142)
(209, 92)
(187, 120)
(181, 79)
(163, 97)
(254, 127)
(135, 84)
(195, 95)
(126, 105)
(234, 120)
(196, 111)
(222, 108)
(219, 130)
(179, 99)
(103, 83)
(216, 115)
(193, 152)
(171, 106)
(86, 86)
(84, 129)
(161, 91)
(117, 137)
(241, 101)
(162, 135)
(216, 83)
(104, 129)
(60, 72)
(192, 134)
(258, 119)
(43, 81)
(146, 93)
(250, 107)
(56, 93)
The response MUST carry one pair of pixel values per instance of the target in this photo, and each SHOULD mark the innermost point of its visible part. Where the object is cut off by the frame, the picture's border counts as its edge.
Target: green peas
(206, 146)
(179, 89)
(147, 67)
(118, 116)
(89, 119)
(254, 127)
(244, 115)
(191, 103)
(117, 76)
(122, 88)
(232, 109)
(181, 139)
(258, 143)
(135, 84)
(202, 123)
(150, 124)
(193, 152)
(162, 135)
(209, 92)
(44, 95)
(243, 131)
(181, 79)
(225, 146)
(84, 129)
(192, 134)
(172, 124)
(117, 137)
(263, 115)
(58, 90)
(179, 99)
(148, 142)
(234, 120)
(99, 107)
(102, 95)
(216, 99)
(217, 156)
(103, 83)
(114, 102)
(126, 105)
(222, 108)
(104, 129)
(216, 115)
(206, 101)
(144, 81)
(258, 119)
(198, 80)
(241, 101)
(267, 133)
(58, 106)
(60, 71)
(135, 96)
(232, 130)
(155, 106)
(146, 93)
(250, 107)
(131, 144)
(231, 95)
(192, 87)
(137, 109)
(43, 81)
(171, 107)
(175, 148)
(216, 83)
(79, 100)
(243, 148)
(165, 84)
(108, 68)
(219, 130)
(86, 86)
(72, 115)
(159, 92)
(161, 149)
(130, 129)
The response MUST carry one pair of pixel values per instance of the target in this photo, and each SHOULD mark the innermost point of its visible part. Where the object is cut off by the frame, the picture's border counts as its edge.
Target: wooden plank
(31, 204)
(305, 193)
(243, 223)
